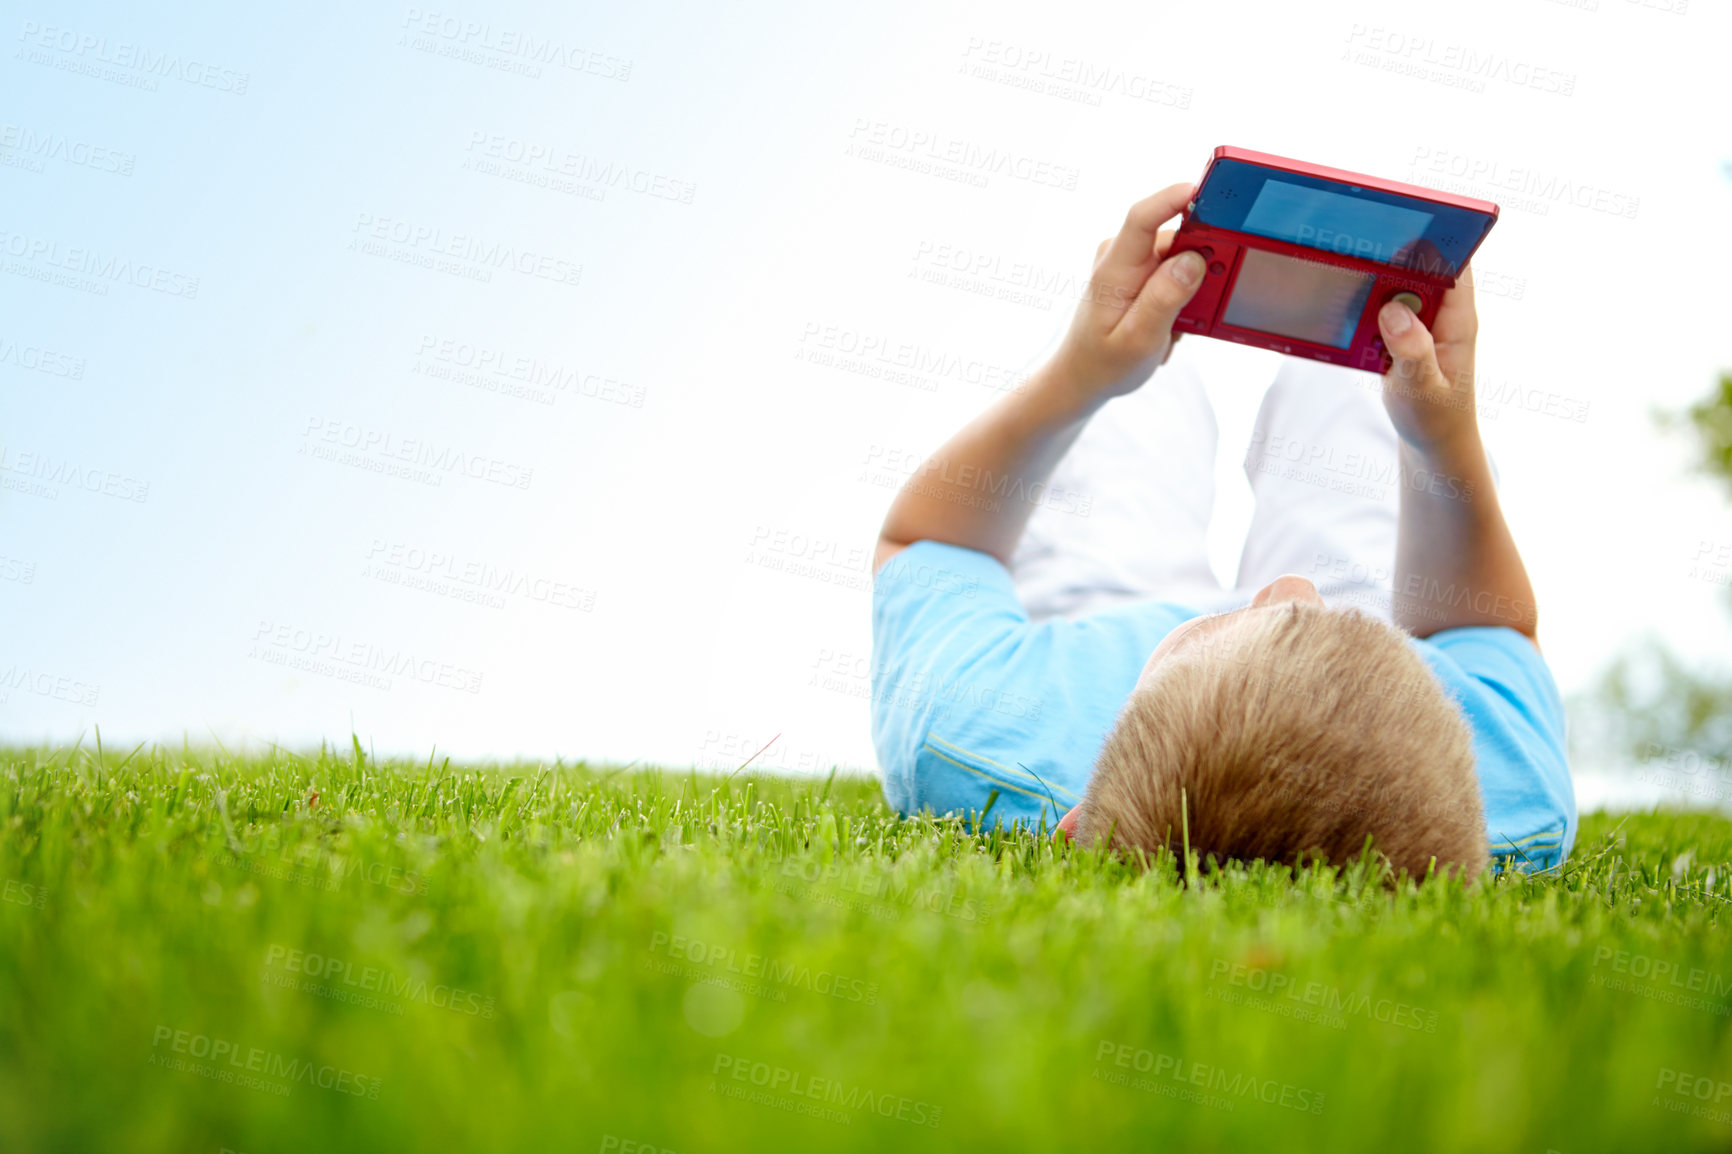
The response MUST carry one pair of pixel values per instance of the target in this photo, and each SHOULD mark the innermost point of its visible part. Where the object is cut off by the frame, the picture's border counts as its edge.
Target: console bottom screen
(1296, 298)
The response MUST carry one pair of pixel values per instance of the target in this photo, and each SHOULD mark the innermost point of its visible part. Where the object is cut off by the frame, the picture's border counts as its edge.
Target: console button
(1411, 300)
(1217, 267)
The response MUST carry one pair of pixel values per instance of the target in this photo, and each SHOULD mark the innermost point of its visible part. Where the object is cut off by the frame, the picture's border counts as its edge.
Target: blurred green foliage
(1652, 705)
(1709, 422)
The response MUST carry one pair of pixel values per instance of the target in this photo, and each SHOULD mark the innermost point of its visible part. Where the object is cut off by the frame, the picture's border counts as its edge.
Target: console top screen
(1367, 223)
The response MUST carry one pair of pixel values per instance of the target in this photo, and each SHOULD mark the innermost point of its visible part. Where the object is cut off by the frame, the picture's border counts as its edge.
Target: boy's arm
(973, 491)
(1455, 562)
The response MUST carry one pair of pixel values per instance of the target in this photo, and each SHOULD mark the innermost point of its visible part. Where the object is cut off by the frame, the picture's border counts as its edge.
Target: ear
(1067, 823)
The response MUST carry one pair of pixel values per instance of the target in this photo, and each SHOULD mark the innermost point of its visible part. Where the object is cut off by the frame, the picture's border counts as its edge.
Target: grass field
(326, 954)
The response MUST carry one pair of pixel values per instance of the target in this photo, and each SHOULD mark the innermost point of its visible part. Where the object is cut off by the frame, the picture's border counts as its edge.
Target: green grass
(514, 969)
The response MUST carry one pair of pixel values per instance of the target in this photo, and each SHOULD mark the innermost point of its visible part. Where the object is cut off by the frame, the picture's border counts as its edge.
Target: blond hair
(1295, 733)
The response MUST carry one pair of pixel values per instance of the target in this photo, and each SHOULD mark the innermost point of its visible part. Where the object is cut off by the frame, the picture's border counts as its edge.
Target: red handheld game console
(1300, 257)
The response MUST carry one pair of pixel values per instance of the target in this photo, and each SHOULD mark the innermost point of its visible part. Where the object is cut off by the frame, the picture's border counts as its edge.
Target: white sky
(697, 454)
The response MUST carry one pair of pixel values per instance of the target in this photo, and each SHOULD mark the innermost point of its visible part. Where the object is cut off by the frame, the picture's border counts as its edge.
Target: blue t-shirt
(969, 696)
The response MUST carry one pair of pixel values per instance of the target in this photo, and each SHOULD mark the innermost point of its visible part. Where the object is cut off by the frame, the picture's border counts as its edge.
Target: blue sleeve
(1511, 701)
(950, 640)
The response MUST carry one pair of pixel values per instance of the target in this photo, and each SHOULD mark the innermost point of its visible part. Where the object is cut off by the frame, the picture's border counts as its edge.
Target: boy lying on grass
(1043, 645)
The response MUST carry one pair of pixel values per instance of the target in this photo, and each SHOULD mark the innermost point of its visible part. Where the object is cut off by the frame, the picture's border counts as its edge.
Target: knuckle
(1155, 300)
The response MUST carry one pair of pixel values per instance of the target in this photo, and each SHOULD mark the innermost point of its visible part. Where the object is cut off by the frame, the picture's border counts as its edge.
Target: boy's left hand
(1123, 328)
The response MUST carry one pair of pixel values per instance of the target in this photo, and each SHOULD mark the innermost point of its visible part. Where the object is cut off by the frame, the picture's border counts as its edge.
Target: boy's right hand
(1123, 329)
(1428, 390)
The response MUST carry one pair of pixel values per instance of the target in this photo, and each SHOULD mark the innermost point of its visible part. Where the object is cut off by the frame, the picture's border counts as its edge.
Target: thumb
(1412, 352)
(1168, 290)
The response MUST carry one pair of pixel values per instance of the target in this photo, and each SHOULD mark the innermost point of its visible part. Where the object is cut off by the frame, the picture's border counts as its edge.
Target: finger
(1131, 256)
(1163, 242)
(1168, 289)
(1413, 353)
(1457, 320)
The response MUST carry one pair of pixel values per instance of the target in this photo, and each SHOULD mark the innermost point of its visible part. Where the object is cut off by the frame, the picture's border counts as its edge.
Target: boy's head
(1289, 729)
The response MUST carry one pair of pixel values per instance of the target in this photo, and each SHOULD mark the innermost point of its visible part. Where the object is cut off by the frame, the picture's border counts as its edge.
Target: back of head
(1295, 733)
